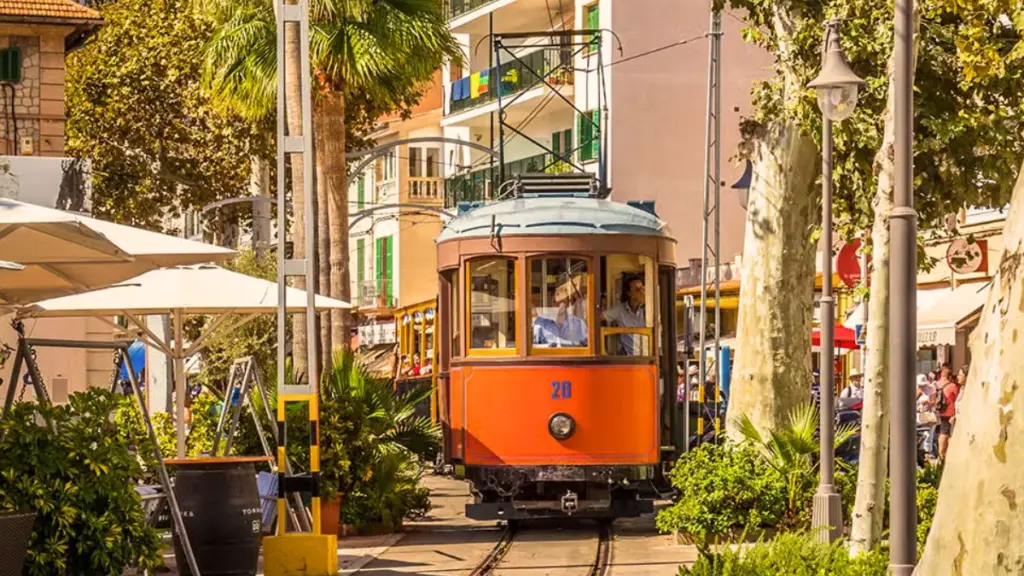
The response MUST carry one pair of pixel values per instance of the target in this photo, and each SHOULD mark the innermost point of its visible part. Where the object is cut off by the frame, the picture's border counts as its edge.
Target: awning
(936, 324)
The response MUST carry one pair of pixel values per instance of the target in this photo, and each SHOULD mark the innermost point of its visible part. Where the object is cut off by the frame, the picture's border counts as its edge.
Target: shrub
(795, 554)
(79, 478)
(724, 491)
(927, 498)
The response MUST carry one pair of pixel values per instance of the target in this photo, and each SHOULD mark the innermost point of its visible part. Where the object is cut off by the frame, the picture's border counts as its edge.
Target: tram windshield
(559, 302)
(627, 289)
(492, 299)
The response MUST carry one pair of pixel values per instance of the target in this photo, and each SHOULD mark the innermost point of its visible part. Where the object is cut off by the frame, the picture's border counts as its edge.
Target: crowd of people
(938, 402)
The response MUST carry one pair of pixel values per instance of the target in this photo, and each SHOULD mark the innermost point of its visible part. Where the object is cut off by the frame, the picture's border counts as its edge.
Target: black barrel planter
(15, 530)
(220, 505)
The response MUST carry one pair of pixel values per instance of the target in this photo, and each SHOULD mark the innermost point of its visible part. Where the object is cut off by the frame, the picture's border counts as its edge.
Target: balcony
(425, 188)
(482, 185)
(376, 294)
(516, 75)
(456, 8)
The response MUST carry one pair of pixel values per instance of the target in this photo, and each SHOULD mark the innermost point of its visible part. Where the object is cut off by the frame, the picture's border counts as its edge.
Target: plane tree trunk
(772, 374)
(979, 525)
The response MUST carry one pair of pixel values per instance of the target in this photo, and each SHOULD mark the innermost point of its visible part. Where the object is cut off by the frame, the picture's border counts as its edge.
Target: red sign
(848, 264)
(965, 257)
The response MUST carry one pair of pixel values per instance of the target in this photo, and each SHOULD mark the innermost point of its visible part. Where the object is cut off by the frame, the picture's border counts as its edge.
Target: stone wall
(38, 106)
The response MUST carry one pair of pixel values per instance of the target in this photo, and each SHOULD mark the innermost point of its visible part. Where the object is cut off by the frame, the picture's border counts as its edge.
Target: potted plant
(16, 528)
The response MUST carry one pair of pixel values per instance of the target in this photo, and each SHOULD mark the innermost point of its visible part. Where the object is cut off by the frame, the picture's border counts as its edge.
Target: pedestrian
(946, 406)
(961, 381)
(855, 389)
(926, 415)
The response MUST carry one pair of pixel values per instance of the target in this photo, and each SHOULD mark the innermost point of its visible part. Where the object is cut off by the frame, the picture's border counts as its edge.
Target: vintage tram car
(557, 353)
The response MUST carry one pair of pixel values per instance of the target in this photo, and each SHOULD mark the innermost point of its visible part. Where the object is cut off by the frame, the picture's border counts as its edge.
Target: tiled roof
(48, 9)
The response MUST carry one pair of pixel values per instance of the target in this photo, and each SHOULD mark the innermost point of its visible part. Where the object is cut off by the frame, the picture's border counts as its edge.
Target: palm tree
(383, 49)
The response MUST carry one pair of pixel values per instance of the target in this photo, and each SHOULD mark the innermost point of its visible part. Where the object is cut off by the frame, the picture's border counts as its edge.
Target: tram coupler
(569, 502)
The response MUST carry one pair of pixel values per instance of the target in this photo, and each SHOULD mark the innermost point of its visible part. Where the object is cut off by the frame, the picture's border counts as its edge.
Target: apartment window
(561, 145)
(387, 167)
(360, 265)
(589, 131)
(10, 65)
(415, 161)
(592, 21)
(385, 269)
(361, 193)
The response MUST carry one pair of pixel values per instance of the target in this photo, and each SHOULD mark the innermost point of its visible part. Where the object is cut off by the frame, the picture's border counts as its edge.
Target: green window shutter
(567, 146)
(588, 136)
(556, 143)
(10, 65)
(378, 268)
(390, 262)
(593, 22)
(361, 186)
(360, 266)
(595, 143)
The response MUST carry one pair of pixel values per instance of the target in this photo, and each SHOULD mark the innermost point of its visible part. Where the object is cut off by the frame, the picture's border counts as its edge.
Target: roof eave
(84, 27)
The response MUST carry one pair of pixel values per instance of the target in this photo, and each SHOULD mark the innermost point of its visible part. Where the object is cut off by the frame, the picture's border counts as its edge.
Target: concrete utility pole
(711, 217)
(903, 309)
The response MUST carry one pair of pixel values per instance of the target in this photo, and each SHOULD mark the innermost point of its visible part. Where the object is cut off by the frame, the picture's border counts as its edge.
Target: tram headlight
(561, 426)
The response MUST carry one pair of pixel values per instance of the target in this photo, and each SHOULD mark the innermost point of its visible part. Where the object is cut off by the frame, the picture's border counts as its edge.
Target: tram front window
(559, 302)
(626, 288)
(491, 302)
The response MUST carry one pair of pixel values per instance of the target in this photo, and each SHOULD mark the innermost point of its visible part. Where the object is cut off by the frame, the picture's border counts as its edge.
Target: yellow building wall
(418, 262)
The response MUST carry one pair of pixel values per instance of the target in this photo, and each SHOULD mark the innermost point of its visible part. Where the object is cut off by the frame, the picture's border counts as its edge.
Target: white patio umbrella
(64, 253)
(234, 298)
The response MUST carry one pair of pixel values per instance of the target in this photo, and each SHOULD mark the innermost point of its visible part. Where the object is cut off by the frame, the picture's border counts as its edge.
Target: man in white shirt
(855, 389)
(630, 312)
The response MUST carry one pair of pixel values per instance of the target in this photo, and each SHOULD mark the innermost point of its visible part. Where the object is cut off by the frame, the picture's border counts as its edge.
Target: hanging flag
(485, 80)
(474, 85)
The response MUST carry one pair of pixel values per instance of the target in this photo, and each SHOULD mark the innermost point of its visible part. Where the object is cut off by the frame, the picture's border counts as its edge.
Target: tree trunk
(331, 111)
(322, 246)
(869, 506)
(259, 187)
(773, 365)
(293, 123)
(978, 523)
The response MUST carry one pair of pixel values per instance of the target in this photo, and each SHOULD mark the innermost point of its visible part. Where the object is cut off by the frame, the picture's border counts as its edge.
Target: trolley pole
(711, 216)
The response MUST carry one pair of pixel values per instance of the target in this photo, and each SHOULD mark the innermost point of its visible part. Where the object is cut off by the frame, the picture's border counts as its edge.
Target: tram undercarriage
(517, 493)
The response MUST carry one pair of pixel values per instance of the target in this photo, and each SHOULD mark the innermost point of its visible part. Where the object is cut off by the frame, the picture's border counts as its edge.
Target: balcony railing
(376, 294)
(425, 188)
(482, 185)
(516, 75)
(456, 8)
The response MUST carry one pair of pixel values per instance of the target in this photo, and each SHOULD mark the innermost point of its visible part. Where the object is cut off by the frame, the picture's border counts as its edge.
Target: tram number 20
(561, 390)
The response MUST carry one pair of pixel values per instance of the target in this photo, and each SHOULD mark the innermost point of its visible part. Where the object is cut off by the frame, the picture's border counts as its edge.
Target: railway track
(599, 564)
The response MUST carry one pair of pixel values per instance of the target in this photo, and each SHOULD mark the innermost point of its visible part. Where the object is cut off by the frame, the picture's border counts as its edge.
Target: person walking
(855, 389)
(926, 415)
(946, 399)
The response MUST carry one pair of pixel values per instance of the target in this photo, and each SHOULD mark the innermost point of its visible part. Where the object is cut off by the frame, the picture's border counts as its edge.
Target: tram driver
(563, 330)
(630, 312)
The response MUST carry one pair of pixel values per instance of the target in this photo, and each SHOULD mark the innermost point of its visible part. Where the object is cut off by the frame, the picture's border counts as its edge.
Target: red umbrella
(844, 338)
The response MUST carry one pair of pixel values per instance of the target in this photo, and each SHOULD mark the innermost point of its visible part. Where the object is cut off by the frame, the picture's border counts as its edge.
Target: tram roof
(554, 215)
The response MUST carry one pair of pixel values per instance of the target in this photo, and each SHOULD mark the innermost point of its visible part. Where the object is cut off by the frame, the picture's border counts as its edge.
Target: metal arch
(360, 215)
(236, 200)
(378, 151)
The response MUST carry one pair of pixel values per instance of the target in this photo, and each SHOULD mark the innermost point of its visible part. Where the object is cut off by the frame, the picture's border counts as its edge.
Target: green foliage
(793, 452)
(137, 109)
(968, 103)
(794, 554)
(927, 498)
(725, 491)
(79, 479)
(379, 52)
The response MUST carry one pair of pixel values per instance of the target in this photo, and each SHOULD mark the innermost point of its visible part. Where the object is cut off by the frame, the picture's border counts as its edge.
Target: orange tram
(556, 353)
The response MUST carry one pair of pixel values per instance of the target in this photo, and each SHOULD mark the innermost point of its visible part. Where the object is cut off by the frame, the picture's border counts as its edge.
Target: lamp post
(837, 88)
(903, 306)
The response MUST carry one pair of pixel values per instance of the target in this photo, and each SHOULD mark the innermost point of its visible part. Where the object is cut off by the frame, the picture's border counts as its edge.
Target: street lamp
(837, 88)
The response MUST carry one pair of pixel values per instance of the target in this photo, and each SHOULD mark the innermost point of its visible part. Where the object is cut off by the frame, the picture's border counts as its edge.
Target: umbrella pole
(179, 381)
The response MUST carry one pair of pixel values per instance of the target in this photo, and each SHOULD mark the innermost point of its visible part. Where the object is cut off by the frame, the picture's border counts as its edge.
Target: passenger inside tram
(626, 324)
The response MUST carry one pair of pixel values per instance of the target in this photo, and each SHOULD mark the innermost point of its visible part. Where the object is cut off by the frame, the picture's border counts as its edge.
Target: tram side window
(492, 302)
(627, 305)
(559, 302)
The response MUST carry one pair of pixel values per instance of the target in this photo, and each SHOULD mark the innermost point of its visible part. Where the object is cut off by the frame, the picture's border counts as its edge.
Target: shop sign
(935, 336)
